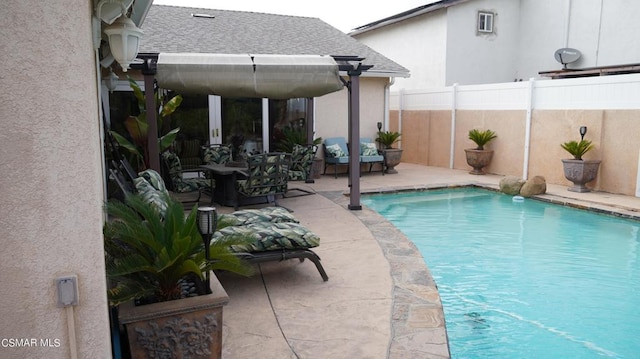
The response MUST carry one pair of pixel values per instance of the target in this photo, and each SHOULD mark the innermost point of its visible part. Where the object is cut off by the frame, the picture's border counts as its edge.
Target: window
(485, 21)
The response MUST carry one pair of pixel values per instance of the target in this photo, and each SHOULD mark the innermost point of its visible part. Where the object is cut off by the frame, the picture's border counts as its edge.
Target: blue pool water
(525, 279)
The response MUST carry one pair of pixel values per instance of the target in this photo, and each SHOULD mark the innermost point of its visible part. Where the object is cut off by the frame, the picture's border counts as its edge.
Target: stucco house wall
(51, 187)
(527, 33)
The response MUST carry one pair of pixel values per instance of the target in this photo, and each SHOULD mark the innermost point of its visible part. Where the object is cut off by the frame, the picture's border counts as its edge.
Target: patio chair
(336, 153)
(266, 176)
(174, 180)
(369, 153)
(301, 161)
(216, 154)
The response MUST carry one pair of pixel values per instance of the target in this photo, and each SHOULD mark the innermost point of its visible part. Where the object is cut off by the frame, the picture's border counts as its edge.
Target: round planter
(392, 158)
(478, 159)
(580, 172)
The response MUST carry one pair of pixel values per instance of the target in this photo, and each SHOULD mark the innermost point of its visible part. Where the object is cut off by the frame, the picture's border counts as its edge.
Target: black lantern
(379, 126)
(207, 223)
(583, 131)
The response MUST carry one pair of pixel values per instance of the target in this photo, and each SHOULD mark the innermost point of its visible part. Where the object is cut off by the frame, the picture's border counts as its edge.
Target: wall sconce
(111, 81)
(124, 38)
(207, 221)
(583, 131)
(379, 124)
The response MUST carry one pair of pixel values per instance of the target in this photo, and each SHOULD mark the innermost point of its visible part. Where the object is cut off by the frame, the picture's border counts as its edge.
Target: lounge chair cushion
(266, 215)
(269, 236)
(335, 151)
(150, 186)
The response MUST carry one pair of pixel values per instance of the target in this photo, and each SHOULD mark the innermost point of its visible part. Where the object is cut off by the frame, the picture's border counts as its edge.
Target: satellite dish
(566, 56)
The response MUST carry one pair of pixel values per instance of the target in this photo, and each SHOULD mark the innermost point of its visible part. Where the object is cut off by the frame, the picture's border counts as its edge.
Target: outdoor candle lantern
(583, 131)
(207, 222)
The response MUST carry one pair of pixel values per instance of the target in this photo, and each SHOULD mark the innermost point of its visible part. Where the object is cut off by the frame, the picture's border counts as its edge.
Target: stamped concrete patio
(380, 300)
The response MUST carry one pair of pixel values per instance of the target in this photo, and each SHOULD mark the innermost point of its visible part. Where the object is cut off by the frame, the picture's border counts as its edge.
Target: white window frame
(485, 21)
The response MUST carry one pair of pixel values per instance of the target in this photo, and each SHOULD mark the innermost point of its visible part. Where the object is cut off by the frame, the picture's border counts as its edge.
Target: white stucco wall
(475, 58)
(51, 184)
(443, 48)
(418, 44)
(332, 116)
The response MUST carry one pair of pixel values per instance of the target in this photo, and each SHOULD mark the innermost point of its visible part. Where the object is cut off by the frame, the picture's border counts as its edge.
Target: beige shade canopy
(249, 75)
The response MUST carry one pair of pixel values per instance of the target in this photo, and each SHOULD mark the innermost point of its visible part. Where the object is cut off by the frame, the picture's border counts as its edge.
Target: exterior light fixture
(109, 10)
(583, 131)
(379, 126)
(207, 223)
(124, 38)
(111, 80)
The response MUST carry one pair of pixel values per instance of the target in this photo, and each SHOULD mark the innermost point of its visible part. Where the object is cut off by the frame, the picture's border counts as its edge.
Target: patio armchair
(301, 161)
(266, 176)
(336, 153)
(369, 153)
(175, 181)
(216, 154)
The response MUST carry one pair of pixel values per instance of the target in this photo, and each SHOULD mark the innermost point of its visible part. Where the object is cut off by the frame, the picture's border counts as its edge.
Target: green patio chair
(266, 177)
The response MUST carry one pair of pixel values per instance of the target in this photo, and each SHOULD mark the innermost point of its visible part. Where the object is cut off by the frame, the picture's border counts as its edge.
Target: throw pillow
(335, 151)
(369, 149)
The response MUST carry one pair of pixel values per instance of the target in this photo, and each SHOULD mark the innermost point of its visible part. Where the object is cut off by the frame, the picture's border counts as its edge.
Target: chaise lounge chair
(277, 234)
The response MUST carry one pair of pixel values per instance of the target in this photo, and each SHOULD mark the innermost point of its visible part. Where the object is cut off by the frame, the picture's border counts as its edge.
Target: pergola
(261, 76)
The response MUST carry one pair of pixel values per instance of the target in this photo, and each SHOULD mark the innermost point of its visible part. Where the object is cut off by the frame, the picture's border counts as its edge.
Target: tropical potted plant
(137, 127)
(479, 157)
(576, 169)
(155, 264)
(391, 155)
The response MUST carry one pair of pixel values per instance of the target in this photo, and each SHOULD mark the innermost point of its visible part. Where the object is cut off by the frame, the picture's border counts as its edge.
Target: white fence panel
(603, 92)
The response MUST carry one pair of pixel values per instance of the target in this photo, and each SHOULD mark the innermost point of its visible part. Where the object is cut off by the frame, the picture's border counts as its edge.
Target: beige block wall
(614, 133)
(51, 185)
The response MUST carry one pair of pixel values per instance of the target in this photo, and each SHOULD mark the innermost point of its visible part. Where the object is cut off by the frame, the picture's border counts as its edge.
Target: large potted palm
(576, 169)
(479, 157)
(155, 264)
(391, 155)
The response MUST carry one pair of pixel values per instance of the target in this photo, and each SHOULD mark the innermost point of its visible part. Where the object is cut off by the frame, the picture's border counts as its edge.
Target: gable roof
(175, 29)
(405, 15)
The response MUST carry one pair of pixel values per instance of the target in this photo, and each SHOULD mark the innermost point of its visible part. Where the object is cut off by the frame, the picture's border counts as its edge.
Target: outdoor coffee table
(224, 189)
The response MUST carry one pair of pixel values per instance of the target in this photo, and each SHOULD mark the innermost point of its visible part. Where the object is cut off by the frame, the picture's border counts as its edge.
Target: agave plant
(150, 254)
(138, 127)
(481, 138)
(577, 148)
(388, 138)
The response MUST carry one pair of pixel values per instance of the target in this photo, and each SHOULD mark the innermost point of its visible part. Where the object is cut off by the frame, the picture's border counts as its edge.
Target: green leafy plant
(388, 138)
(149, 254)
(577, 148)
(138, 127)
(481, 138)
(292, 137)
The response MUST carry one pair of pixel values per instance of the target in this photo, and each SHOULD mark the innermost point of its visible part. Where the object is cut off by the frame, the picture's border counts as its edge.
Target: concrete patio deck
(380, 300)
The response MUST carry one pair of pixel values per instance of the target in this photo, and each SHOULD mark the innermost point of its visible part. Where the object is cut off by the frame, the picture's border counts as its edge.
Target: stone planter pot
(478, 159)
(392, 158)
(183, 328)
(580, 172)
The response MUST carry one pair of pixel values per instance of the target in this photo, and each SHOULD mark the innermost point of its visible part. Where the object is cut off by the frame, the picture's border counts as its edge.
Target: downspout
(567, 27)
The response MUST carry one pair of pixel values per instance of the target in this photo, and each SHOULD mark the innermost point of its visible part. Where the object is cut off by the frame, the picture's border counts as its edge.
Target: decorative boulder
(534, 186)
(511, 185)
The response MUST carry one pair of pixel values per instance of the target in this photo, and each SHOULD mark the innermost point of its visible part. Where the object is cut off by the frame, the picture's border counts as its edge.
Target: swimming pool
(525, 279)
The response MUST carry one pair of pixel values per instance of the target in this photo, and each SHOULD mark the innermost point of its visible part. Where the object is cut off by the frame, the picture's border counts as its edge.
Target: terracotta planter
(392, 158)
(184, 328)
(580, 172)
(478, 159)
